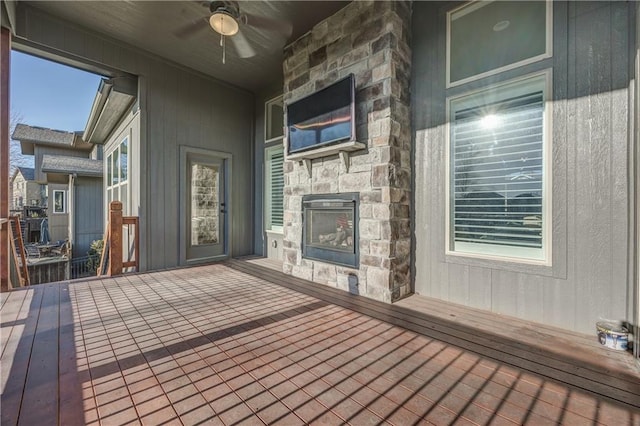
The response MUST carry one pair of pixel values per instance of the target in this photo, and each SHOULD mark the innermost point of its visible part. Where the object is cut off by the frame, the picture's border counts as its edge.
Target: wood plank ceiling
(154, 26)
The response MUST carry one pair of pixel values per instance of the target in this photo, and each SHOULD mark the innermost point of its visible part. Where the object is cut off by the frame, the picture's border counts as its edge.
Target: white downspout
(71, 212)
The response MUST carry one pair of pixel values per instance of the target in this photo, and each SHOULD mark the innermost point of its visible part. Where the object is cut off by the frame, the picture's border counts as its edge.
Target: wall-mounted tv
(322, 118)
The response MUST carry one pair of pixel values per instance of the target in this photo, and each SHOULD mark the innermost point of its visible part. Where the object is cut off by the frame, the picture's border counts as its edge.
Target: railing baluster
(114, 242)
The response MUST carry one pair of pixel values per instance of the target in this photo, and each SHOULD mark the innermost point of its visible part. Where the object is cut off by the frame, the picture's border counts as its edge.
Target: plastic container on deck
(612, 335)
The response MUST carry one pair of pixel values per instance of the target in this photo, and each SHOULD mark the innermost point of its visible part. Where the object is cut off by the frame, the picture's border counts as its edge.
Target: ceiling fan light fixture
(223, 23)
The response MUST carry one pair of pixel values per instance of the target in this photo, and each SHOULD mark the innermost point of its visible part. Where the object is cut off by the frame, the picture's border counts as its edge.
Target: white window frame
(267, 119)
(109, 186)
(475, 5)
(508, 253)
(64, 201)
(271, 145)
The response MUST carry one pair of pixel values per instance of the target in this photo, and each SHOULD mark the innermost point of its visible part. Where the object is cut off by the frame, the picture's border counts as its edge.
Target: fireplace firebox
(330, 231)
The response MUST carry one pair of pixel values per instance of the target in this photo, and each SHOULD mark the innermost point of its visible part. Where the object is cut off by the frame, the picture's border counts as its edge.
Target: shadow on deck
(223, 344)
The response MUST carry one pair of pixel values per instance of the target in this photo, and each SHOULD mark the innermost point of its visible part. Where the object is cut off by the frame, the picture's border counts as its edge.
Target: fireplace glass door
(330, 229)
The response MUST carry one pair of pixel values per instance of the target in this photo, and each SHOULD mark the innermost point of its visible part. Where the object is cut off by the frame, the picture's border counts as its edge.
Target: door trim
(227, 158)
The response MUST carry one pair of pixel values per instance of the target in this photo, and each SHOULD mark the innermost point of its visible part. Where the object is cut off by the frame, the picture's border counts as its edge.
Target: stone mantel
(342, 149)
(327, 151)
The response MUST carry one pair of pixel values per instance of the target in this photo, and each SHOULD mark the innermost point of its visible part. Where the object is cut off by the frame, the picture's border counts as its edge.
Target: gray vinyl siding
(634, 265)
(590, 277)
(88, 214)
(58, 222)
(178, 107)
(41, 150)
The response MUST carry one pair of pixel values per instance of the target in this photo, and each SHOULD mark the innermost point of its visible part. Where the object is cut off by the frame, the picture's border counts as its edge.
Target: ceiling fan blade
(261, 22)
(242, 46)
(192, 28)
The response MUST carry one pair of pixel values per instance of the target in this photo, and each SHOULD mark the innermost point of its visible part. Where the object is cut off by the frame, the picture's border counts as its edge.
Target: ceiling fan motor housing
(227, 7)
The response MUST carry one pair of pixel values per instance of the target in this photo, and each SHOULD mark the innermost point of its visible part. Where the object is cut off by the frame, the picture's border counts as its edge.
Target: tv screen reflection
(326, 128)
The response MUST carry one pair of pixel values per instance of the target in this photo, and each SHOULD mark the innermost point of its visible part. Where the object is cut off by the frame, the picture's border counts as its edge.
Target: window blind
(497, 172)
(276, 180)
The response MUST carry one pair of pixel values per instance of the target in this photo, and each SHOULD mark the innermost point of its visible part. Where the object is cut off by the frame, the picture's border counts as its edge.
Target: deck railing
(119, 239)
(80, 267)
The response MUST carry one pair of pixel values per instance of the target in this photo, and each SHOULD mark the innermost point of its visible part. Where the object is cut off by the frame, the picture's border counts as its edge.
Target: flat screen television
(323, 118)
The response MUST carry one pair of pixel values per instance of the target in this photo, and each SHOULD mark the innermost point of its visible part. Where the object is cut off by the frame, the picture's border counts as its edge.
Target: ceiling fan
(226, 19)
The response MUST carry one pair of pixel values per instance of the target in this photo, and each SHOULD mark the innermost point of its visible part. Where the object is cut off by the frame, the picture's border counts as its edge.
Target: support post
(5, 55)
(115, 239)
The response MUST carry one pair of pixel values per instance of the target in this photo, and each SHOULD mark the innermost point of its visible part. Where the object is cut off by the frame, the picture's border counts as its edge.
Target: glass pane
(205, 210)
(109, 170)
(124, 151)
(275, 120)
(497, 169)
(58, 202)
(331, 229)
(115, 165)
(124, 199)
(489, 35)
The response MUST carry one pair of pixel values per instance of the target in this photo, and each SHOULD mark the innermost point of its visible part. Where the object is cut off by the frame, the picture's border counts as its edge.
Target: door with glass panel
(205, 207)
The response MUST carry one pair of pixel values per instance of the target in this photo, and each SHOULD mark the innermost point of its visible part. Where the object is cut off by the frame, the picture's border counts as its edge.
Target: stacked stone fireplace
(372, 41)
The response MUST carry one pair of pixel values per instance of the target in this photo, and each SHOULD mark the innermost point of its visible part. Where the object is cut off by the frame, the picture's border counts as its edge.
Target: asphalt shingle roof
(28, 173)
(67, 165)
(35, 134)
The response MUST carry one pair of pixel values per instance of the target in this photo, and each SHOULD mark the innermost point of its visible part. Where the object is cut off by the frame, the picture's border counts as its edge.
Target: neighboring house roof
(42, 135)
(33, 135)
(69, 165)
(28, 173)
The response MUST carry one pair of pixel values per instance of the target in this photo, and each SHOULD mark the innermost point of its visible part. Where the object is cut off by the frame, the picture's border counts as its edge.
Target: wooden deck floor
(240, 343)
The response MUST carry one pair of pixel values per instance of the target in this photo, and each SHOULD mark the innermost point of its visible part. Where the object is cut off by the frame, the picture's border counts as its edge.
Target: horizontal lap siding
(589, 278)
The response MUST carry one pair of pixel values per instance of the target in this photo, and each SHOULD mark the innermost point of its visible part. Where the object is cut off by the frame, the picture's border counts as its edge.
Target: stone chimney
(370, 39)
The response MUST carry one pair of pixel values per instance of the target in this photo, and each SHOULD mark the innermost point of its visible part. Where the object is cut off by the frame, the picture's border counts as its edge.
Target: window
(118, 175)
(499, 172)
(274, 188)
(274, 120)
(274, 160)
(484, 38)
(205, 205)
(59, 201)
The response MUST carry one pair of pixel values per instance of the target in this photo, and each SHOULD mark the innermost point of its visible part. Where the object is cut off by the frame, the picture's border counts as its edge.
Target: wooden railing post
(5, 55)
(115, 239)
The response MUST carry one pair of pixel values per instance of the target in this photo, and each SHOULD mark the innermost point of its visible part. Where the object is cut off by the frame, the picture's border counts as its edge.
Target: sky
(47, 94)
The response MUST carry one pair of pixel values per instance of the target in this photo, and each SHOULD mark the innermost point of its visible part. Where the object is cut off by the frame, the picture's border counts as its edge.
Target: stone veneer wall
(372, 41)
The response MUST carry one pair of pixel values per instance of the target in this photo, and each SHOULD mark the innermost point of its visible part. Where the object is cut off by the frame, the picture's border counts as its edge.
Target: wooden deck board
(11, 316)
(16, 359)
(583, 364)
(41, 386)
(224, 344)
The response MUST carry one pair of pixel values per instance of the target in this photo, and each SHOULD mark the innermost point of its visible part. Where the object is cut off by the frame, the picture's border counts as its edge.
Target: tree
(94, 254)
(16, 159)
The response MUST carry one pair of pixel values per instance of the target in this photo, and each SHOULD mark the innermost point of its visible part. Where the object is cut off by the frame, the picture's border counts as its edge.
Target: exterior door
(205, 227)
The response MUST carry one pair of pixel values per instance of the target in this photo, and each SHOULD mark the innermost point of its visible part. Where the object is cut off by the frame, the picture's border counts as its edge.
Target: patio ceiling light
(223, 22)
